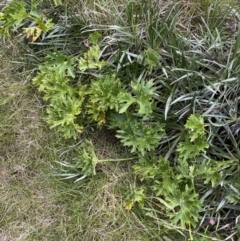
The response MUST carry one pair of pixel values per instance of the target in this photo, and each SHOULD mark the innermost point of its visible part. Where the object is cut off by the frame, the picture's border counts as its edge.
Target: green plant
(177, 186)
(15, 14)
(65, 102)
(91, 59)
(196, 141)
(142, 97)
(12, 16)
(140, 135)
(104, 97)
(137, 197)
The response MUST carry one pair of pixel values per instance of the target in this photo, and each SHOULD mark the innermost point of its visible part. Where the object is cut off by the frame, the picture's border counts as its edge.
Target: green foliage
(63, 113)
(91, 59)
(189, 150)
(86, 159)
(15, 14)
(67, 105)
(180, 199)
(58, 63)
(140, 135)
(195, 141)
(83, 163)
(184, 206)
(54, 85)
(65, 101)
(151, 57)
(138, 196)
(195, 127)
(44, 24)
(142, 93)
(103, 96)
(176, 186)
(12, 16)
(94, 37)
(158, 171)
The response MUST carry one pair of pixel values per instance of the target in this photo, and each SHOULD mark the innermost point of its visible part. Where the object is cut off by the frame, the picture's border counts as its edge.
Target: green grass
(197, 73)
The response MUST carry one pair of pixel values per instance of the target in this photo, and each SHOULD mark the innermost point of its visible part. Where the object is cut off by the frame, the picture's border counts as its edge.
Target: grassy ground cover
(190, 52)
(34, 204)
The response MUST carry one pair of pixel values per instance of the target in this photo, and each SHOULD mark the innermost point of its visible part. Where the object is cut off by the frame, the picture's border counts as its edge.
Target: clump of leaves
(91, 59)
(68, 109)
(83, 164)
(138, 196)
(63, 113)
(141, 96)
(142, 136)
(15, 14)
(65, 104)
(195, 141)
(12, 16)
(58, 63)
(104, 96)
(176, 186)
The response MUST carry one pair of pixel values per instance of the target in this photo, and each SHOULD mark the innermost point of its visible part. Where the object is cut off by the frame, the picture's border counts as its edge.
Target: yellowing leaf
(102, 118)
(78, 128)
(128, 206)
(32, 33)
(91, 59)
(57, 2)
(44, 25)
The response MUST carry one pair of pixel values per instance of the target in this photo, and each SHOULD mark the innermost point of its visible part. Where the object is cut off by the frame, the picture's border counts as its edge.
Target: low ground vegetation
(142, 101)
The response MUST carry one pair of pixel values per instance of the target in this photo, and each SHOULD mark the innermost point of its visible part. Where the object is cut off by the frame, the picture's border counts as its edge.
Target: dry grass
(23, 197)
